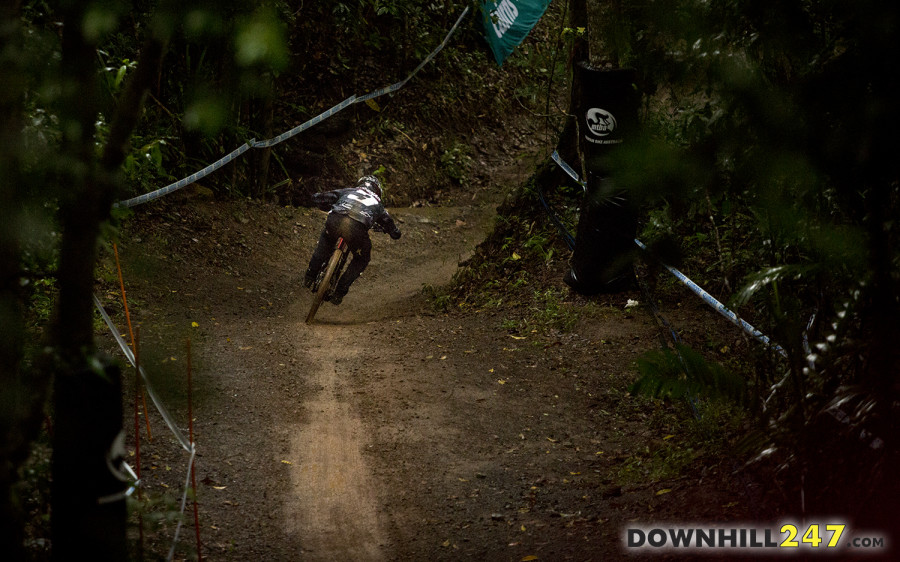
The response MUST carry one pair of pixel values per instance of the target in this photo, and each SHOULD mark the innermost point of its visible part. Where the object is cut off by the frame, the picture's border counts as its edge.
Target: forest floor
(389, 430)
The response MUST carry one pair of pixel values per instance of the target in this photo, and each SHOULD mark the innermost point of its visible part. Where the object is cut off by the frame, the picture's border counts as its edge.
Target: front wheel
(325, 283)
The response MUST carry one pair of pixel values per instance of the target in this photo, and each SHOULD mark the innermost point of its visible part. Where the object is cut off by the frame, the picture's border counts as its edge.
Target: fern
(684, 373)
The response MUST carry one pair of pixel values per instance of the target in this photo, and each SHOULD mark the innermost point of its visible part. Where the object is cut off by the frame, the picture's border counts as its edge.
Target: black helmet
(371, 183)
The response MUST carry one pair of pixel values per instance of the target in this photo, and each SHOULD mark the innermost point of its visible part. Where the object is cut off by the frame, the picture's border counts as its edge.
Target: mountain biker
(352, 212)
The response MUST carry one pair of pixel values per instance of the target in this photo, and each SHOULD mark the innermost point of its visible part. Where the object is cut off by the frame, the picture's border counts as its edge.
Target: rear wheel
(325, 283)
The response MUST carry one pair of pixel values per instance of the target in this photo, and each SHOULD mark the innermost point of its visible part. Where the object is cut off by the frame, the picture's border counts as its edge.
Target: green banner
(507, 23)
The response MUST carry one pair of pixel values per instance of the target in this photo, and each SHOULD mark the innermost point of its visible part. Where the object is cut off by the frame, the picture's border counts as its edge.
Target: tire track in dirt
(333, 501)
(333, 505)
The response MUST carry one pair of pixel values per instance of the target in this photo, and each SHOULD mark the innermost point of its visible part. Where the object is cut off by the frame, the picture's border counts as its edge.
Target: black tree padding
(607, 118)
(89, 512)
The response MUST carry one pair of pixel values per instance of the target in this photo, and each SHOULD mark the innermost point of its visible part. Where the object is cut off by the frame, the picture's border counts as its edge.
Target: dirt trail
(333, 506)
(385, 431)
(332, 497)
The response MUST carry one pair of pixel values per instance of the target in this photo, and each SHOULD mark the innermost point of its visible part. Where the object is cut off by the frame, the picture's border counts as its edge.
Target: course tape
(300, 128)
(719, 307)
(398, 85)
(569, 239)
(186, 181)
(568, 169)
(147, 197)
(187, 486)
(707, 298)
(185, 444)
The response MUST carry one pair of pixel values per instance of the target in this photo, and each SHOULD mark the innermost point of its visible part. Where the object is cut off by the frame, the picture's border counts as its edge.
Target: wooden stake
(131, 334)
(137, 438)
(191, 436)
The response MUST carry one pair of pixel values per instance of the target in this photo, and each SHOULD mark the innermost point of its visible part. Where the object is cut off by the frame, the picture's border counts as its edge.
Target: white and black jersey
(359, 204)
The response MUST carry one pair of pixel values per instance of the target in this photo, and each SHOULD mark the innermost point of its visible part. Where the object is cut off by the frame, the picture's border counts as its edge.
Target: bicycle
(327, 279)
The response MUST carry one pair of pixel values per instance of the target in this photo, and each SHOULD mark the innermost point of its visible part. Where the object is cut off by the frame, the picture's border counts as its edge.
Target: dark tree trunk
(88, 516)
(21, 396)
(567, 146)
(262, 116)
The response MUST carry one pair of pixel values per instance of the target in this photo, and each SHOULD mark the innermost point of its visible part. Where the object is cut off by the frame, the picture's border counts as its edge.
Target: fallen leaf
(373, 104)
(529, 557)
(287, 462)
(194, 325)
(516, 256)
(501, 381)
(517, 337)
(663, 491)
(446, 543)
(219, 487)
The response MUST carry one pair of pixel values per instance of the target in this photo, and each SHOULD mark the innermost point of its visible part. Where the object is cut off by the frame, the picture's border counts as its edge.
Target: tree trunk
(262, 115)
(87, 398)
(22, 396)
(567, 146)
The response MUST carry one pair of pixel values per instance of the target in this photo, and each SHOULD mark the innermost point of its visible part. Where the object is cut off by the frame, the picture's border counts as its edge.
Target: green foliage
(439, 299)
(457, 162)
(549, 311)
(42, 296)
(683, 373)
(655, 464)
(770, 151)
(260, 41)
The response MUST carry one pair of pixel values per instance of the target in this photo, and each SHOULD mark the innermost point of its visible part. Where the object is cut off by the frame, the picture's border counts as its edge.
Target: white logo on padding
(600, 122)
(368, 200)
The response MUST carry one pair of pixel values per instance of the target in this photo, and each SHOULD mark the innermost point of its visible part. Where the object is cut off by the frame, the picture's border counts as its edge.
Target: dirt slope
(387, 431)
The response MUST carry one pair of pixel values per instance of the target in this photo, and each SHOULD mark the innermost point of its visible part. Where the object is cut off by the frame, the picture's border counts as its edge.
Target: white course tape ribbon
(707, 298)
(288, 134)
(185, 444)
